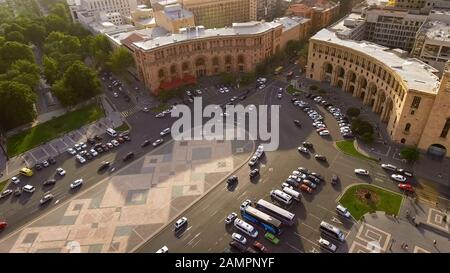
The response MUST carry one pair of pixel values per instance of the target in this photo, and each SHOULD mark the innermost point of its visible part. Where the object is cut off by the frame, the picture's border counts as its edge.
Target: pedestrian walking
(434, 242)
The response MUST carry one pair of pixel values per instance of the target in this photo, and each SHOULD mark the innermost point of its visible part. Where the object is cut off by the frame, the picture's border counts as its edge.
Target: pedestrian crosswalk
(130, 111)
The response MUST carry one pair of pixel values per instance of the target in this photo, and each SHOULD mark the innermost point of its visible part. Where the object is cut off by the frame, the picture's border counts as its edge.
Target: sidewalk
(60, 145)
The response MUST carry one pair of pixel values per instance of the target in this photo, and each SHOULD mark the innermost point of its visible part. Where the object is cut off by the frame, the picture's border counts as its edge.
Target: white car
(82, 145)
(252, 162)
(157, 142)
(115, 143)
(324, 133)
(109, 145)
(280, 96)
(93, 152)
(230, 218)
(45, 163)
(29, 188)
(165, 132)
(303, 150)
(81, 159)
(180, 222)
(61, 171)
(163, 249)
(71, 151)
(245, 204)
(343, 211)
(77, 147)
(239, 238)
(398, 177)
(361, 172)
(76, 183)
(115, 95)
(296, 173)
(327, 245)
(47, 197)
(15, 180)
(260, 148)
(262, 86)
(389, 167)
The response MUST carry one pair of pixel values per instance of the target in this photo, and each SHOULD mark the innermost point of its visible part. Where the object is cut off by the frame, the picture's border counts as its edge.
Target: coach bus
(332, 231)
(266, 221)
(283, 215)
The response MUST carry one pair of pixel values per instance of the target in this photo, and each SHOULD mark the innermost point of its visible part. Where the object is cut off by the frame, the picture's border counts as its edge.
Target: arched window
(407, 127)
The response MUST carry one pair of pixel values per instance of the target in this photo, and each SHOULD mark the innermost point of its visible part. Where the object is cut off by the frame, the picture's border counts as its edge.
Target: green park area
(348, 147)
(360, 199)
(44, 132)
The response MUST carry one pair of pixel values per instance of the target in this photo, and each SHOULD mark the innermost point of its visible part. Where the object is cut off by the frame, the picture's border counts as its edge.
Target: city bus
(332, 231)
(283, 215)
(269, 223)
(278, 70)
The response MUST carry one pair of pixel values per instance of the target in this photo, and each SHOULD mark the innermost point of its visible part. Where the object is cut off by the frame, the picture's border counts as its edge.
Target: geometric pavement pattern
(370, 239)
(119, 214)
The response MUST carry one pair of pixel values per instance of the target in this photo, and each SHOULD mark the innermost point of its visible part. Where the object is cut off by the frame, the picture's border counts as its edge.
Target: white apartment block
(88, 11)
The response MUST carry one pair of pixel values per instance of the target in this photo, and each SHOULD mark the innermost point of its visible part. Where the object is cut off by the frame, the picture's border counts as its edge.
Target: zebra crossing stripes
(129, 112)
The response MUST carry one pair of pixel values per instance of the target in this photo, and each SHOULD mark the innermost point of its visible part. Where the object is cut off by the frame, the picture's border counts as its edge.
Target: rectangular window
(445, 129)
(416, 102)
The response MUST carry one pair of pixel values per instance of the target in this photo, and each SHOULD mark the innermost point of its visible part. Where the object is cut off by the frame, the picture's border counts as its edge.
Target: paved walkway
(123, 211)
(60, 145)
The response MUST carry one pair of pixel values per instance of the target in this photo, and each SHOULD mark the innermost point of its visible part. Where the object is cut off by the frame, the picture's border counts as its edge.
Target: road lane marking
(214, 213)
(242, 194)
(310, 227)
(308, 240)
(379, 179)
(196, 243)
(319, 206)
(293, 247)
(336, 220)
(314, 216)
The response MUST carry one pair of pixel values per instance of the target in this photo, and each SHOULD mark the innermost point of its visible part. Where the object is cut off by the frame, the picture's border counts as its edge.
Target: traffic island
(360, 199)
(348, 148)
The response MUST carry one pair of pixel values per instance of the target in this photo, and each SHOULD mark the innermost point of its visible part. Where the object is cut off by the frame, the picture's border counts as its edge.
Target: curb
(193, 203)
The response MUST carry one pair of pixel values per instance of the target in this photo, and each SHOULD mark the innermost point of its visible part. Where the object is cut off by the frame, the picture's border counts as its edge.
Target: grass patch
(161, 107)
(347, 147)
(51, 129)
(291, 90)
(356, 201)
(122, 128)
(2, 185)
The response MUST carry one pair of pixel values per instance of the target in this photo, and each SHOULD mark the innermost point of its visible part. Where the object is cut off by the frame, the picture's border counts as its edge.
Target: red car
(305, 188)
(3, 225)
(260, 247)
(406, 187)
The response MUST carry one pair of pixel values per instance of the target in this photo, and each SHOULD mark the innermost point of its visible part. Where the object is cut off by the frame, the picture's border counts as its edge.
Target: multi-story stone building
(406, 92)
(220, 13)
(88, 11)
(167, 60)
(321, 13)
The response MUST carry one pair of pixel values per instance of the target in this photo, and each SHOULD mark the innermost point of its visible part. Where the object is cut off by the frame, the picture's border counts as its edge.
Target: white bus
(295, 194)
(332, 231)
(281, 196)
(246, 228)
(283, 215)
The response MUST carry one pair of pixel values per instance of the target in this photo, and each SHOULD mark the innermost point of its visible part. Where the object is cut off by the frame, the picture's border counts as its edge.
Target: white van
(281, 196)
(29, 188)
(246, 228)
(295, 194)
(111, 132)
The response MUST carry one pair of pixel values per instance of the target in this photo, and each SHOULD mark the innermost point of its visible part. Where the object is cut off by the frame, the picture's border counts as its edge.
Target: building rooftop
(176, 12)
(437, 30)
(416, 74)
(291, 22)
(140, 34)
(199, 32)
(348, 23)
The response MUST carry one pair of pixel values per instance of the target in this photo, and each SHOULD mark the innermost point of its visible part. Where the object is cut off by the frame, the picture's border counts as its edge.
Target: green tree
(51, 72)
(60, 10)
(78, 84)
(227, 78)
(55, 23)
(120, 60)
(25, 72)
(15, 36)
(100, 49)
(367, 137)
(353, 112)
(35, 34)
(411, 154)
(360, 127)
(14, 51)
(16, 104)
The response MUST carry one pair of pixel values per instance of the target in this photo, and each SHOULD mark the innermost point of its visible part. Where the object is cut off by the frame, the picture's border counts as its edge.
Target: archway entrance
(437, 150)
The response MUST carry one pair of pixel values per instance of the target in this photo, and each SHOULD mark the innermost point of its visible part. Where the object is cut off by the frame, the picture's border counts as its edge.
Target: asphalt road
(206, 231)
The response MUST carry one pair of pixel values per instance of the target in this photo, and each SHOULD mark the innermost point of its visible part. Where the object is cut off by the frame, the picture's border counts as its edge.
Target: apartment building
(88, 11)
(321, 13)
(406, 92)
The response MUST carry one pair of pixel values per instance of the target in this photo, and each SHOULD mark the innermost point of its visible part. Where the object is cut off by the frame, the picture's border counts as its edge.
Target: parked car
(327, 245)
(3, 225)
(305, 188)
(157, 142)
(6, 193)
(253, 161)
(28, 188)
(38, 166)
(163, 249)
(404, 172)
(398, 177)
(51, 160)
(272, 238)
(320, 157)
(15, 180)
(303, 150)
(309, 184)
(232, 180)
(260, 247)
(240, 247)
(245, 204)
(334, 179)
(230, 218)
(165, 132)
(343, 211)
(389, 167)
(61, 171)
(239, 238)
(308, 145)
(71, 151)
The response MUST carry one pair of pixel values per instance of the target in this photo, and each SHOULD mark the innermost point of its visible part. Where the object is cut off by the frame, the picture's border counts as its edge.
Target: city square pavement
(60, 145)
(416, 229)
(125, 209)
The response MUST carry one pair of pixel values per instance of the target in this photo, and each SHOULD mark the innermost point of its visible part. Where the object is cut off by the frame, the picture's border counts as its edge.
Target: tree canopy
(16, 105)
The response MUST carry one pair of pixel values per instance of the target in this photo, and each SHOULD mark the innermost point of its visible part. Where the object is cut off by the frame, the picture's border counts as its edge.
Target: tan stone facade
(221, 13)
(411, 100)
